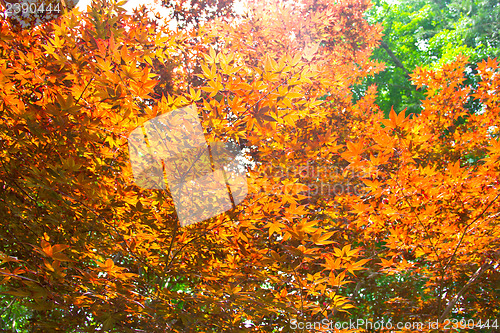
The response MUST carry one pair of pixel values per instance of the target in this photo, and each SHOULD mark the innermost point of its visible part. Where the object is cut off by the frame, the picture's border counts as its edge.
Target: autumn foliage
(348, 215)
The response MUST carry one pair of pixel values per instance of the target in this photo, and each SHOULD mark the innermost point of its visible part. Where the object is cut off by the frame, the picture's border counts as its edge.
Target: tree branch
(466, 229)
(473, 279)
(7, 307)
(395, 59)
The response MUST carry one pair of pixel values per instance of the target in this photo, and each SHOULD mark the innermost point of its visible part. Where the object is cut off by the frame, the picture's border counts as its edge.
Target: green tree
(430, 33)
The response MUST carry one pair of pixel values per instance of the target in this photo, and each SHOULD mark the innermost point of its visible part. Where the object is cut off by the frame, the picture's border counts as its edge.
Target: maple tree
(338, 196)
(433, 201)
(428, 33)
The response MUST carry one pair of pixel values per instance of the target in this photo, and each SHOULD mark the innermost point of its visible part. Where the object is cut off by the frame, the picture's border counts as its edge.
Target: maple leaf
(395, 120)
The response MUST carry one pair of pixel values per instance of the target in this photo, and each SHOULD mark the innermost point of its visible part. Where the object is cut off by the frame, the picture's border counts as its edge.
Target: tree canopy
(352, 212)
(428, 33)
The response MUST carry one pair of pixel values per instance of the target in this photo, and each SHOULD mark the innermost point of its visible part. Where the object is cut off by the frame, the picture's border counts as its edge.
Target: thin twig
(421, 224)
(253, 105)
(7, 307)
(120, 236)
(84, 89)
(22, 278)
(480, 271)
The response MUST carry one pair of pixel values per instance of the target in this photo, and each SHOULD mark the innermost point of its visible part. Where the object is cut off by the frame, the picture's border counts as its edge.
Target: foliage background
(412, 236)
